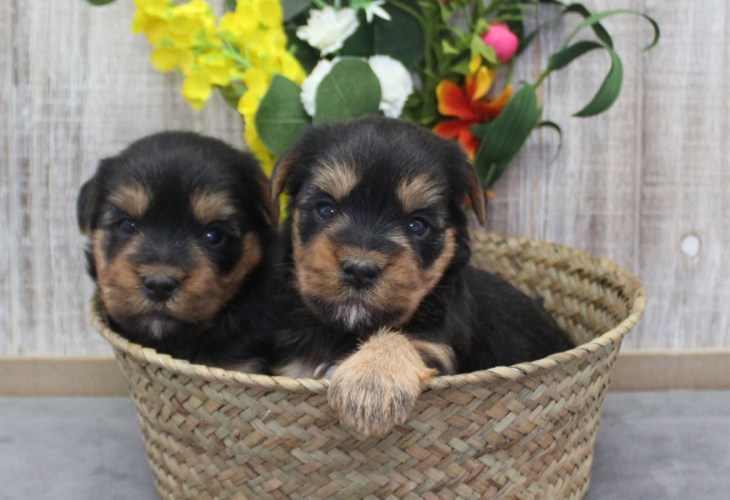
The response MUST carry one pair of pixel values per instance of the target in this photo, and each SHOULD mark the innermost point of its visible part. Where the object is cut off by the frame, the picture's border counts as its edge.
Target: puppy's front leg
(376, 388)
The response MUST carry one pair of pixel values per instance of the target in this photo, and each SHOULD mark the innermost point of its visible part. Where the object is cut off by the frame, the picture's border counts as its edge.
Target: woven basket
(525, 431)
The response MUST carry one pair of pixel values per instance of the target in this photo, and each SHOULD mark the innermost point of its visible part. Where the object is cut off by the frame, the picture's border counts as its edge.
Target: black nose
(159, 288)
(360, 274)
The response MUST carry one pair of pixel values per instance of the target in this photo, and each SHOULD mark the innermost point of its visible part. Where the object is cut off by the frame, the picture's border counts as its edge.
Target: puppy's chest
(301, 368)
(311, 352)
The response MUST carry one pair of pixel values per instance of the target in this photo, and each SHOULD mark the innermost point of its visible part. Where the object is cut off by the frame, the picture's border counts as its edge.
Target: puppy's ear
(87, 204)
(269, 207)
(282, 171)
(476, 193)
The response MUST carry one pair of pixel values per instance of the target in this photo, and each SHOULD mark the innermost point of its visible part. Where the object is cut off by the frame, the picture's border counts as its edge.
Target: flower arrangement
(285, 65)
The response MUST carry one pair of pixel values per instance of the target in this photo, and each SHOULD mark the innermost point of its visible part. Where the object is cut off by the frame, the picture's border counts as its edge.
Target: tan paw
(377, 387)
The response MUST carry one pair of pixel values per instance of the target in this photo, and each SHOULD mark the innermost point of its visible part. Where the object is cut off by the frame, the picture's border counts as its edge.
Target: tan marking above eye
(132, 199)
(418, 193)
(335, 178)
(211, 206)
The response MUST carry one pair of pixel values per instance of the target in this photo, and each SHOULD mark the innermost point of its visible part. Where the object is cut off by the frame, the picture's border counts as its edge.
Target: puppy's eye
(326, 210)
(214, 237)
(418, 227)
(127, 226)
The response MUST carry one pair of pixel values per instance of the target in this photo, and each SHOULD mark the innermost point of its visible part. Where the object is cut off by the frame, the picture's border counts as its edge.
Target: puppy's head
(174, 225)
(375, 218)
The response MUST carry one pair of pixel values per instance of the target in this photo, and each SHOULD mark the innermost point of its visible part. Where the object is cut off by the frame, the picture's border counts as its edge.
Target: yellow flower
(291, 68)
(196, 90)
(269, 13)
(256, 80)
(249, 45)
(151, 18)
(217, 67)
(241, 22)
(164, 59)
(189, 21)
(257, 147)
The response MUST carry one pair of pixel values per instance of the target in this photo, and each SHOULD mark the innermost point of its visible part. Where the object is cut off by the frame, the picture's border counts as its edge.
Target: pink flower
(502, 40)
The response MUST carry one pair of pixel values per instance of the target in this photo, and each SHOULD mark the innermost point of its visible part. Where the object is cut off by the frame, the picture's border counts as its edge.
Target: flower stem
(542, 77)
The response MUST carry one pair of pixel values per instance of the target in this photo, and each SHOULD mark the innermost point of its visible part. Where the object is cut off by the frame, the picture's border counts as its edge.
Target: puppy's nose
(360, 274)
(159, 288)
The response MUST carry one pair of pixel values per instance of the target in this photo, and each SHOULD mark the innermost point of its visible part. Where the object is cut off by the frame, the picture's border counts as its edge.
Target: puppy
(180, 228)
(376, 256)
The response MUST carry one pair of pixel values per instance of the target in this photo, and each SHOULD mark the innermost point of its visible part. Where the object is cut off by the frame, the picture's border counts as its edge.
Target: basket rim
(493, 375)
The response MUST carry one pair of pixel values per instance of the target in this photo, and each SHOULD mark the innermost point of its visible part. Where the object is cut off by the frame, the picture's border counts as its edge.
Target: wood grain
(630, 185)
(76, 86)
(685, 179)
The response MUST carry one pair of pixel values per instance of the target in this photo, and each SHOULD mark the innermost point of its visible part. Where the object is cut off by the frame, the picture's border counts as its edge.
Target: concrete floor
(651, 445)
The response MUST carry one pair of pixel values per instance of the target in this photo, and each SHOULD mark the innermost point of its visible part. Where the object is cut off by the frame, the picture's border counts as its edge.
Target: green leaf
(593, 21)
(280, 118)
(609, 90)
(400, 38)
(99, 2)
(486, 51)
(595, 25)
(503, 137)
(362, 42)
(481, 27)
(561, 59)
(461, 68)
(349, 90)
(555, 127)
(447, 48)
(292, 8)
(590, 20)
(230, 5)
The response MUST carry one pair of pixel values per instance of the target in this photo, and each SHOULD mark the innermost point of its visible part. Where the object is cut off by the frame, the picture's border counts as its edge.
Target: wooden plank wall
(631, 185)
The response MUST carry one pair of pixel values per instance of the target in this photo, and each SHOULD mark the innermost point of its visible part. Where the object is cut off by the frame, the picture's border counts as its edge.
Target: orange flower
(470, 105)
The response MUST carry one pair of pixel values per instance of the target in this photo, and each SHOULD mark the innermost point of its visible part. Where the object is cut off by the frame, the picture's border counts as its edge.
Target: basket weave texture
(525, 431)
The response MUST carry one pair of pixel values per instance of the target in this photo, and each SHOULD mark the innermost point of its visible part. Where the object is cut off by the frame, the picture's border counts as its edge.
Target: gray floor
(661, 445)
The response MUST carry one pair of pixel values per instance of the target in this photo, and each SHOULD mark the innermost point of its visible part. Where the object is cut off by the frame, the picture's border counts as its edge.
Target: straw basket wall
(525, 431)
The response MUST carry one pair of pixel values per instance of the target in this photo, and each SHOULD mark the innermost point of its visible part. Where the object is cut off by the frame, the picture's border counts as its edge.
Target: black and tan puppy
(180, 229)
(381, 293)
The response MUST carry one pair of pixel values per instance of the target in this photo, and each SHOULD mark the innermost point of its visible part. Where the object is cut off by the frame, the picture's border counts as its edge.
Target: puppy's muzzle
(159, 288)
(360, 273)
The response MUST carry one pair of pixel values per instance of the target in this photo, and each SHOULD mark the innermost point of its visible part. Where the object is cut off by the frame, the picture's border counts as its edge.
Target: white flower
(395, 82)
(375, 8)
(327, 28)
(311, 84)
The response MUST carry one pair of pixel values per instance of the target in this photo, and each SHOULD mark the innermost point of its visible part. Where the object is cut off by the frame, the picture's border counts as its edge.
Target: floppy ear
(269, 206)
(87, 204)
(476, 194)
(278, 179)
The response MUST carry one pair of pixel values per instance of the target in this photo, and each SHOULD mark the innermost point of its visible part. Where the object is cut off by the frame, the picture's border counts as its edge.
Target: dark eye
(214, 237)
(326, 210)
(127, 226)
(418, 226)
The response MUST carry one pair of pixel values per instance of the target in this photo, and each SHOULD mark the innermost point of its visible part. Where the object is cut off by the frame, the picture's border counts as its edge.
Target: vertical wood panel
(76, 85)
(7, 185)
(588, 195)
(685, 178)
